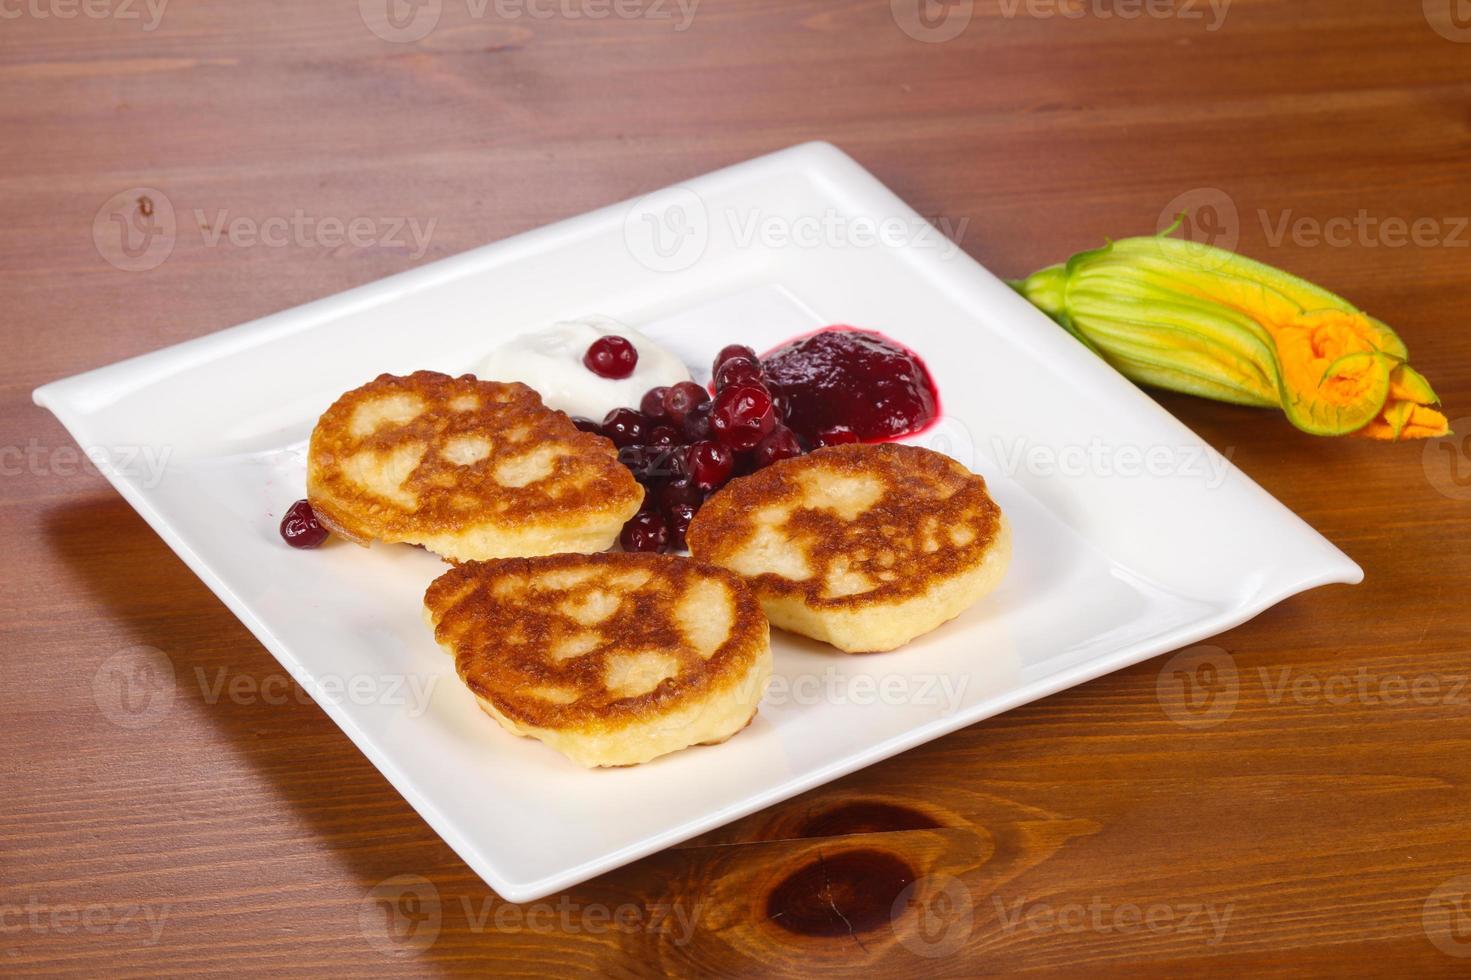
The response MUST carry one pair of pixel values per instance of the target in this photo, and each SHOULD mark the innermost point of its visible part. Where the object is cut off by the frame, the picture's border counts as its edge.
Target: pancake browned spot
(861, 546)
(466, 468)
(611, 659)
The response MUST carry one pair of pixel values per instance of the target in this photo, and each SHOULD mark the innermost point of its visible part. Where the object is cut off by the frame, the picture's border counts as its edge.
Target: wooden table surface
(1319, 826)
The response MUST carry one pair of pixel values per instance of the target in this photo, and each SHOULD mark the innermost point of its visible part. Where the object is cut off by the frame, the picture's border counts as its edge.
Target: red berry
(664, 436)
(587, 425)
(710, 465)
(625, 427)
(611, 356)
(838, 435)
(677, 519)
(742, 415)
(684, 398)
(300, 528)
(645, 531)
(729, 351)
(697, 423)
(680, 490)
(652, 404)
(737, 371)
(781, 443)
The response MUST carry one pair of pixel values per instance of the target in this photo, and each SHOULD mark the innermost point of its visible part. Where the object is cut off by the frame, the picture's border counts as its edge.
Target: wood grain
(1314, 828)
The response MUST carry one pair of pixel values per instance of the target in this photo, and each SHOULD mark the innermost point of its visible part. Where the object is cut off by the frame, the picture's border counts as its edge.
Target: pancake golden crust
(861, 546)
(467, 468)
(613, 659)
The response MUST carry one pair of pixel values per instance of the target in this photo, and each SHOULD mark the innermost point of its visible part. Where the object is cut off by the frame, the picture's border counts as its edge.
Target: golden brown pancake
(612, 659)
(861, 546)
(467, 468)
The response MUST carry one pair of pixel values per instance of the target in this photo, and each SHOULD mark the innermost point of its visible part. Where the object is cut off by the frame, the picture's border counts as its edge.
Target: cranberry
(742, 415)
(638, 459)
(710, 465)
(697, 423)
(729, 351)
(677, 519)
(652, 404)
(684, 398)
(781, 443)
(664, 436)
(611, 356)
(587, 425)
(838, 435)
(680, 490)
(300, 528)
(666, 462)
(738, 371)
(645, 531)
(625, 427)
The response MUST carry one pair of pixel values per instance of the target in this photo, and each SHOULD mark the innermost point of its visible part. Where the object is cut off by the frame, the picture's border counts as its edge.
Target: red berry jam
(611, 356)
(844, 378)
(300, 527)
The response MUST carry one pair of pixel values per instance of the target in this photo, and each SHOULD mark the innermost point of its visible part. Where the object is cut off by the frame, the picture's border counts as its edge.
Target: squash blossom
(1201, 320)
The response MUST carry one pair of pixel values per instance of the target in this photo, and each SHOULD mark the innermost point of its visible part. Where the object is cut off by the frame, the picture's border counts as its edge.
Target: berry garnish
(587, 425)
(679, 490)
(677, 520)
(710, 464)
(300, 527)
(664, 436)
(625, 427)
(780, 443)
(742, 415)
(697, 423)
(683, 398)
(645, 531)
(737, 371)
(838, 435)
(652, 403)
(638, 459)
(729, 351)
(611, 356)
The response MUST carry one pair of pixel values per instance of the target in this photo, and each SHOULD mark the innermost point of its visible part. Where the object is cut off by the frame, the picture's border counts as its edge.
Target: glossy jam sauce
(842, 379)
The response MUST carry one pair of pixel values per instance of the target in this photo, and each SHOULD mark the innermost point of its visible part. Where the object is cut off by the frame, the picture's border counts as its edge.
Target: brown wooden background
(1323, 825)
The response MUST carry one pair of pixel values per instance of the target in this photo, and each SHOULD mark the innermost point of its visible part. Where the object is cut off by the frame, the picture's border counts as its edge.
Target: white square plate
(1132, 537)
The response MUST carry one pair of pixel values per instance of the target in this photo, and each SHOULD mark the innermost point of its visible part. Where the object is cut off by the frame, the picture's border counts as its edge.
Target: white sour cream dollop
(550, 361)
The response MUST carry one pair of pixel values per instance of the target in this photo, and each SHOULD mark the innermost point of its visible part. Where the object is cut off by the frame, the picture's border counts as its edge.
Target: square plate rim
(57, 397)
